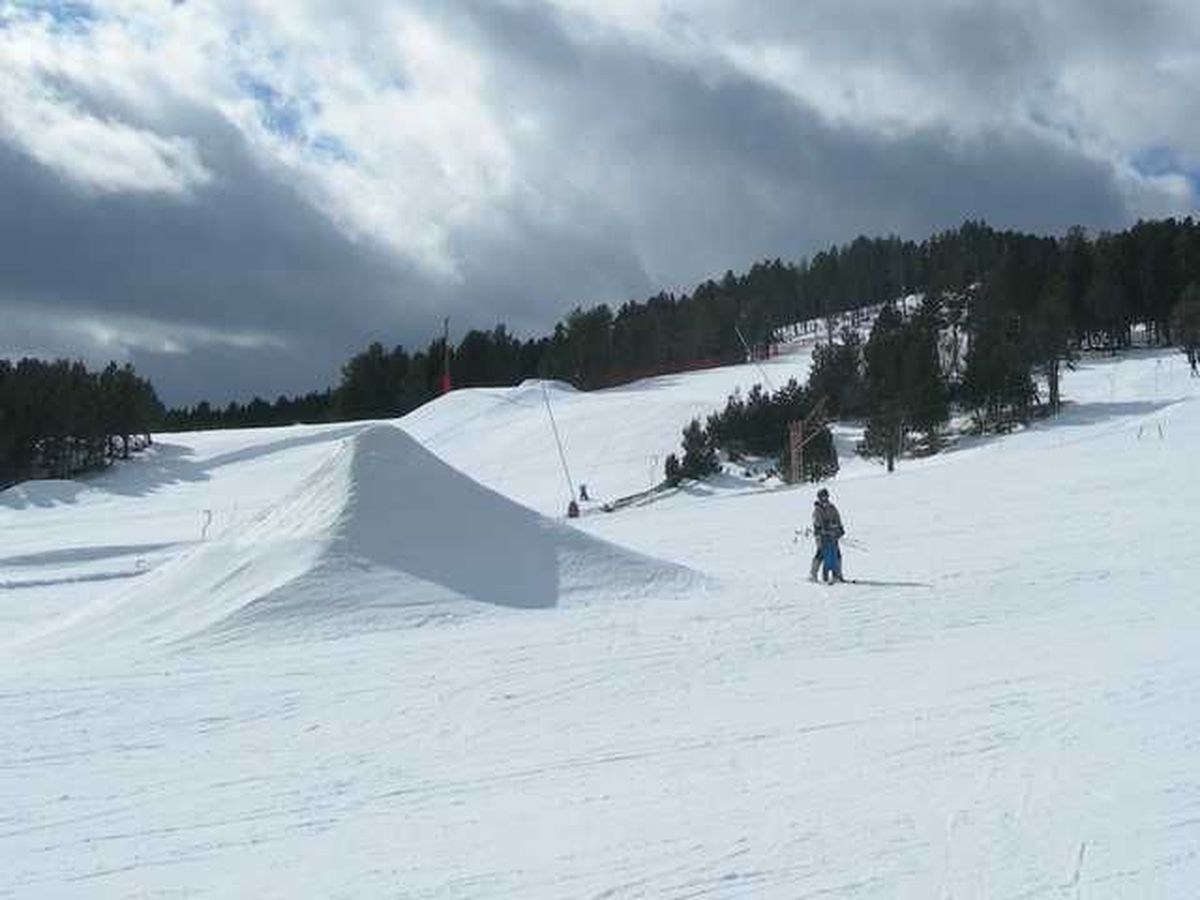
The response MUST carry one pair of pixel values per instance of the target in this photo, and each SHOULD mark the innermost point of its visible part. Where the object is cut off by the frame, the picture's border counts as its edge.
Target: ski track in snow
(247, 664)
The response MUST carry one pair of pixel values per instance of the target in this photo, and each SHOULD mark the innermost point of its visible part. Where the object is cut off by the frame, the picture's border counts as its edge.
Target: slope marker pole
(750, 358)
(562, 456)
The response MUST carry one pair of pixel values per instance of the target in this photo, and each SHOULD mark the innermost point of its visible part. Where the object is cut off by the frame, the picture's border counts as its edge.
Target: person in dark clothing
(827, 531)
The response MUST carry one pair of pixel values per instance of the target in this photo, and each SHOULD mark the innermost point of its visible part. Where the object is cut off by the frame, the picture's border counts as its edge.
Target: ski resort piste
(377, 660)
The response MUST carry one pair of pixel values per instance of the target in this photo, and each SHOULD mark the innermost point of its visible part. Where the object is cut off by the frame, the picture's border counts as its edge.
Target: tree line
(1000, 315)
(1072, 291)
(1020, 305)
(60, 418)
(717, 323)
(756, 425)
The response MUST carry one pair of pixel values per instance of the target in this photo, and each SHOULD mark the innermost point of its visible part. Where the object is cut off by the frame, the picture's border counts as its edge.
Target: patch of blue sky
(280, 114)
(289, 118)
(63, 16)
(330, 149)
(1157, 161)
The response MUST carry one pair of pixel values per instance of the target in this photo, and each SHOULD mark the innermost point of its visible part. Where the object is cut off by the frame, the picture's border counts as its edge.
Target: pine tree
(836, 375)
(997, 384)
(699, 455)
(884, 358)
(673, 470)
(1050, 339)
(906, 388)
(925, 393)
(820, 459)
(1185, 321)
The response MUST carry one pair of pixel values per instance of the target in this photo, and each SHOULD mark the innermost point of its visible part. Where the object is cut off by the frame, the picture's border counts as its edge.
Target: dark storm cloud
(243, 255)
(722, 171)
(651, 166)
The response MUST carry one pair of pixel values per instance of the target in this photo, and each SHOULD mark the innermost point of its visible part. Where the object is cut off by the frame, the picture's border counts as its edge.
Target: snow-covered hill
(382, 534)
(615, 440)
(318, 661)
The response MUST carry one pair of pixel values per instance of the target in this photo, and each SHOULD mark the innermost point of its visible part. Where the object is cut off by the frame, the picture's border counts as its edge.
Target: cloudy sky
(236, 195)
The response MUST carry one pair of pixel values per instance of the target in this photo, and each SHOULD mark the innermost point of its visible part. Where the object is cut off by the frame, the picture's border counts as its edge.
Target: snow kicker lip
(383, 534)
(415, 536)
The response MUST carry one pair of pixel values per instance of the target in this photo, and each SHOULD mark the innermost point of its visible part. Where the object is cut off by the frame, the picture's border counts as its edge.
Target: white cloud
(99, 153)
(1107, 81)
(39, 115)
(405, 126)
(506, 160)
(380, 116)
(421, 150)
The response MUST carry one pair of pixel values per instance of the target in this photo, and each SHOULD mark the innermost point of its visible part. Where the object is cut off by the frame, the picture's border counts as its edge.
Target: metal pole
(558, 441)
(761, 370)
(799, 453)
(796, 440)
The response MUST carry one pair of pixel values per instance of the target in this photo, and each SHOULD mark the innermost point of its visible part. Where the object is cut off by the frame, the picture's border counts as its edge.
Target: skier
(1193, 355)
(827, 530)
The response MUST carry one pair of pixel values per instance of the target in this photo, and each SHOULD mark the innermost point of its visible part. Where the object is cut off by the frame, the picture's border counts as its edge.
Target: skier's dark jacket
(827, 521)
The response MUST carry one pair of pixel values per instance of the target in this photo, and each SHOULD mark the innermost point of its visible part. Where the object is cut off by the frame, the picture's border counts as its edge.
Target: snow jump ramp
(384, 534)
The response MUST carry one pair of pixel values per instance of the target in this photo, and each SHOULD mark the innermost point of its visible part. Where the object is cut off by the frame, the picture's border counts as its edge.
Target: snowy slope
(1010, 711)
(616, 441)
(381, 534)
(69, 543)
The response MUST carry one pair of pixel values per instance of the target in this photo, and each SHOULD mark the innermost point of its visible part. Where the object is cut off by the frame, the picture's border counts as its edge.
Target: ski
(868, 582)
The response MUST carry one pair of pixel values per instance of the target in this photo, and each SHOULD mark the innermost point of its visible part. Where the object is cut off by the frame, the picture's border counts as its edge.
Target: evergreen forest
(60, 418)
(1003, 311)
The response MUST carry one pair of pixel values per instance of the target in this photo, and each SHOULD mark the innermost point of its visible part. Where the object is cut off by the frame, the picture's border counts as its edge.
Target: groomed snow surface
(374, 660)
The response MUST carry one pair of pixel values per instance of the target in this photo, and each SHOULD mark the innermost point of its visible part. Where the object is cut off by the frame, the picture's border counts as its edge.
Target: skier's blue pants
(831, 557)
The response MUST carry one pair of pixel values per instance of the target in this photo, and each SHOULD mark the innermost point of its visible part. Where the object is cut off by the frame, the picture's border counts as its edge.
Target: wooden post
(796, 442)
(800, 433)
